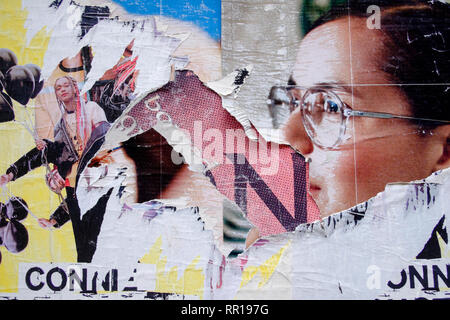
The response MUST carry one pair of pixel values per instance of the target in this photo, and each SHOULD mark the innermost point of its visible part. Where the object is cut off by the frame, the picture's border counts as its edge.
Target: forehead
(343, 51)
(62, 81)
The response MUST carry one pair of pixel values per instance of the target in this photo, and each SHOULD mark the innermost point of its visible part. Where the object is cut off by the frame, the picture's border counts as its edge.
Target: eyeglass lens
(322, 116)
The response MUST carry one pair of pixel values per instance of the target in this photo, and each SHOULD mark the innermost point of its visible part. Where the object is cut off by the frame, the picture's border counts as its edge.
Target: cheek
(334, 171)
(373, 170)
(338, 165)
(394, 160)
(339, 169)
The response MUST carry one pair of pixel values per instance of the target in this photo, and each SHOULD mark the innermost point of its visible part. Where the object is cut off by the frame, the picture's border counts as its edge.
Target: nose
(296, 135)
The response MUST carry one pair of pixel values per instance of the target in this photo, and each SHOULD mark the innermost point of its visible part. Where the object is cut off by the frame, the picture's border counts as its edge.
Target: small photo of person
(47, 110)
(78, 134)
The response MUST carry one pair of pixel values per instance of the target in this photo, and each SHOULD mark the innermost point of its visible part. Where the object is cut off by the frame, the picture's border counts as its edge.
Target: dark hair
(417, 49)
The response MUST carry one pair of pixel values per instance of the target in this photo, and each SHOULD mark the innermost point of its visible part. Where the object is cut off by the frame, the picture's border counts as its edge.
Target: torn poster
(137, 167)
(95, 60)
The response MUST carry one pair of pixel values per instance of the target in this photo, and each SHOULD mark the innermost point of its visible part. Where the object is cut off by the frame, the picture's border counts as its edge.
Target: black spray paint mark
(241, 76)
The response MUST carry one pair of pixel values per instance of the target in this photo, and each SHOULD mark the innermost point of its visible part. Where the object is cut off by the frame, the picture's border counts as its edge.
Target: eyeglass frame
(346, 113)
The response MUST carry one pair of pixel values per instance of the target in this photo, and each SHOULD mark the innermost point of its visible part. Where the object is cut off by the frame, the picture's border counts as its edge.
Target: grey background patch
(264, 34)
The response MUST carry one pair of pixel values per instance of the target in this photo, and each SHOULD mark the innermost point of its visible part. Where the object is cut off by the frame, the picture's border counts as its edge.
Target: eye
(331, 106)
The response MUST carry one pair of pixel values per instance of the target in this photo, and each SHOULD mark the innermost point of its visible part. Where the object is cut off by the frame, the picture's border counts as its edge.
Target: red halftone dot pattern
(274, 201)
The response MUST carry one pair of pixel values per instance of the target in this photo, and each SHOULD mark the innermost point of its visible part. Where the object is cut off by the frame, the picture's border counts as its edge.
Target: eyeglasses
(324, 115)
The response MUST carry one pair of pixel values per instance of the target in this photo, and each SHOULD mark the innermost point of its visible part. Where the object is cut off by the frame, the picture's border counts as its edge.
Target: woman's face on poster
(64, 90)
(376, 151)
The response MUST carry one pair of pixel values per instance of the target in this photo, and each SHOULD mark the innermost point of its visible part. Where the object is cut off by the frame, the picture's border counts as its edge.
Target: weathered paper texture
(188, 189)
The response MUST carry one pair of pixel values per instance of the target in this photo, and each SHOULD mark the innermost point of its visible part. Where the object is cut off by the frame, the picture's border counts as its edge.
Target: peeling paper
(155, 64)
(171, 132)
(231, 84)
(226, 169)
(372, 245)
(61, 25)
(173, 244)
(264, 35)
(389, 242)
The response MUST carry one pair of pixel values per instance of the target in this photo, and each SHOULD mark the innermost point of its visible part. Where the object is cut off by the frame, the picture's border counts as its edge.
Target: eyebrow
(337, 85)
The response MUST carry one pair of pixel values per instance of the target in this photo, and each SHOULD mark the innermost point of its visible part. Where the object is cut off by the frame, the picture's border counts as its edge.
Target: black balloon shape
(19, 84)
(6, 108)
(16, 209)
(38, 84)
(7, 60)
(3, 224)
(2, 211)
(15, 237)
(2, 81)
